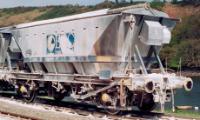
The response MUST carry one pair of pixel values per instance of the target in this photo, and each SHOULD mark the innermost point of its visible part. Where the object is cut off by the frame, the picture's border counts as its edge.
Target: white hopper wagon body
(103, 56)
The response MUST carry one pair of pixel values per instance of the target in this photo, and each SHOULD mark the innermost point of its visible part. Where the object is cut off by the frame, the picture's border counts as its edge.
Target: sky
(15, 3)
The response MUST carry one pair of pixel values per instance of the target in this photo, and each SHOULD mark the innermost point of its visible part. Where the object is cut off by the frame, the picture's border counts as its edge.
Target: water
(191, 98)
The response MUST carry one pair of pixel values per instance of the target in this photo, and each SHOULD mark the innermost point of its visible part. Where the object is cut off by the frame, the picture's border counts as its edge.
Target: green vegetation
(17, 10)
(184, 113)
(185, 44)
(157, 5)
(185, 39)
(59, 11)
(13, 16)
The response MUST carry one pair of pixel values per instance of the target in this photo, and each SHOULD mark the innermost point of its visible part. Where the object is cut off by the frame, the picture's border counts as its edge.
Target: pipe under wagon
(103, 57)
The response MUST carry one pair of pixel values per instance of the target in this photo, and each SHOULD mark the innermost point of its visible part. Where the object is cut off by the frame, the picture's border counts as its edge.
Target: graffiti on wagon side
(57, 43)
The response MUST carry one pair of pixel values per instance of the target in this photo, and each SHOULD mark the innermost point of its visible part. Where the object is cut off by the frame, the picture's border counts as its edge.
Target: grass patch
(60, 11)
(16, 10)
(184, 113)
(19, 18)
(157, 5)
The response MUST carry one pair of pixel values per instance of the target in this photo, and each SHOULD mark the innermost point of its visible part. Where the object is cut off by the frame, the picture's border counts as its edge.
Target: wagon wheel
(113, 111)
(58, 95)
(109, 107)
(147, 103)
(28, 91)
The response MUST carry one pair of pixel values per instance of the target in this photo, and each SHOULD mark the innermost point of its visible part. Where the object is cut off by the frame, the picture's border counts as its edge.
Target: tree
(123, 1)
(117, 1)
(195, 2)
(156, 0)
(190, 52)
(174, 1)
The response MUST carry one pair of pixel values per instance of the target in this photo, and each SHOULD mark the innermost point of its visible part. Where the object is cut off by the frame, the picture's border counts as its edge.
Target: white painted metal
(153, 33)
(62, 19)
(76, 38)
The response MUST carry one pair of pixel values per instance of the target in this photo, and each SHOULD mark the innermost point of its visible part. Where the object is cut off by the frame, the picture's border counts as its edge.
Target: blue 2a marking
(53, 44)
(71, 39)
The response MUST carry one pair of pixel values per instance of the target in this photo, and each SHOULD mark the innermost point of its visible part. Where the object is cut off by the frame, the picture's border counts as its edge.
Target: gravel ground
(39, 112)
(8, 117)
(42, 113)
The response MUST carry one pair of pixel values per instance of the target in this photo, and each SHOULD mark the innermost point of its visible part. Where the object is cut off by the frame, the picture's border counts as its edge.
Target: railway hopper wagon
(101, 57)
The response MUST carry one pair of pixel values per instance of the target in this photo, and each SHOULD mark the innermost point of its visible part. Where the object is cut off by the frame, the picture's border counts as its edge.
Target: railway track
(12, 116)
(48, 109)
